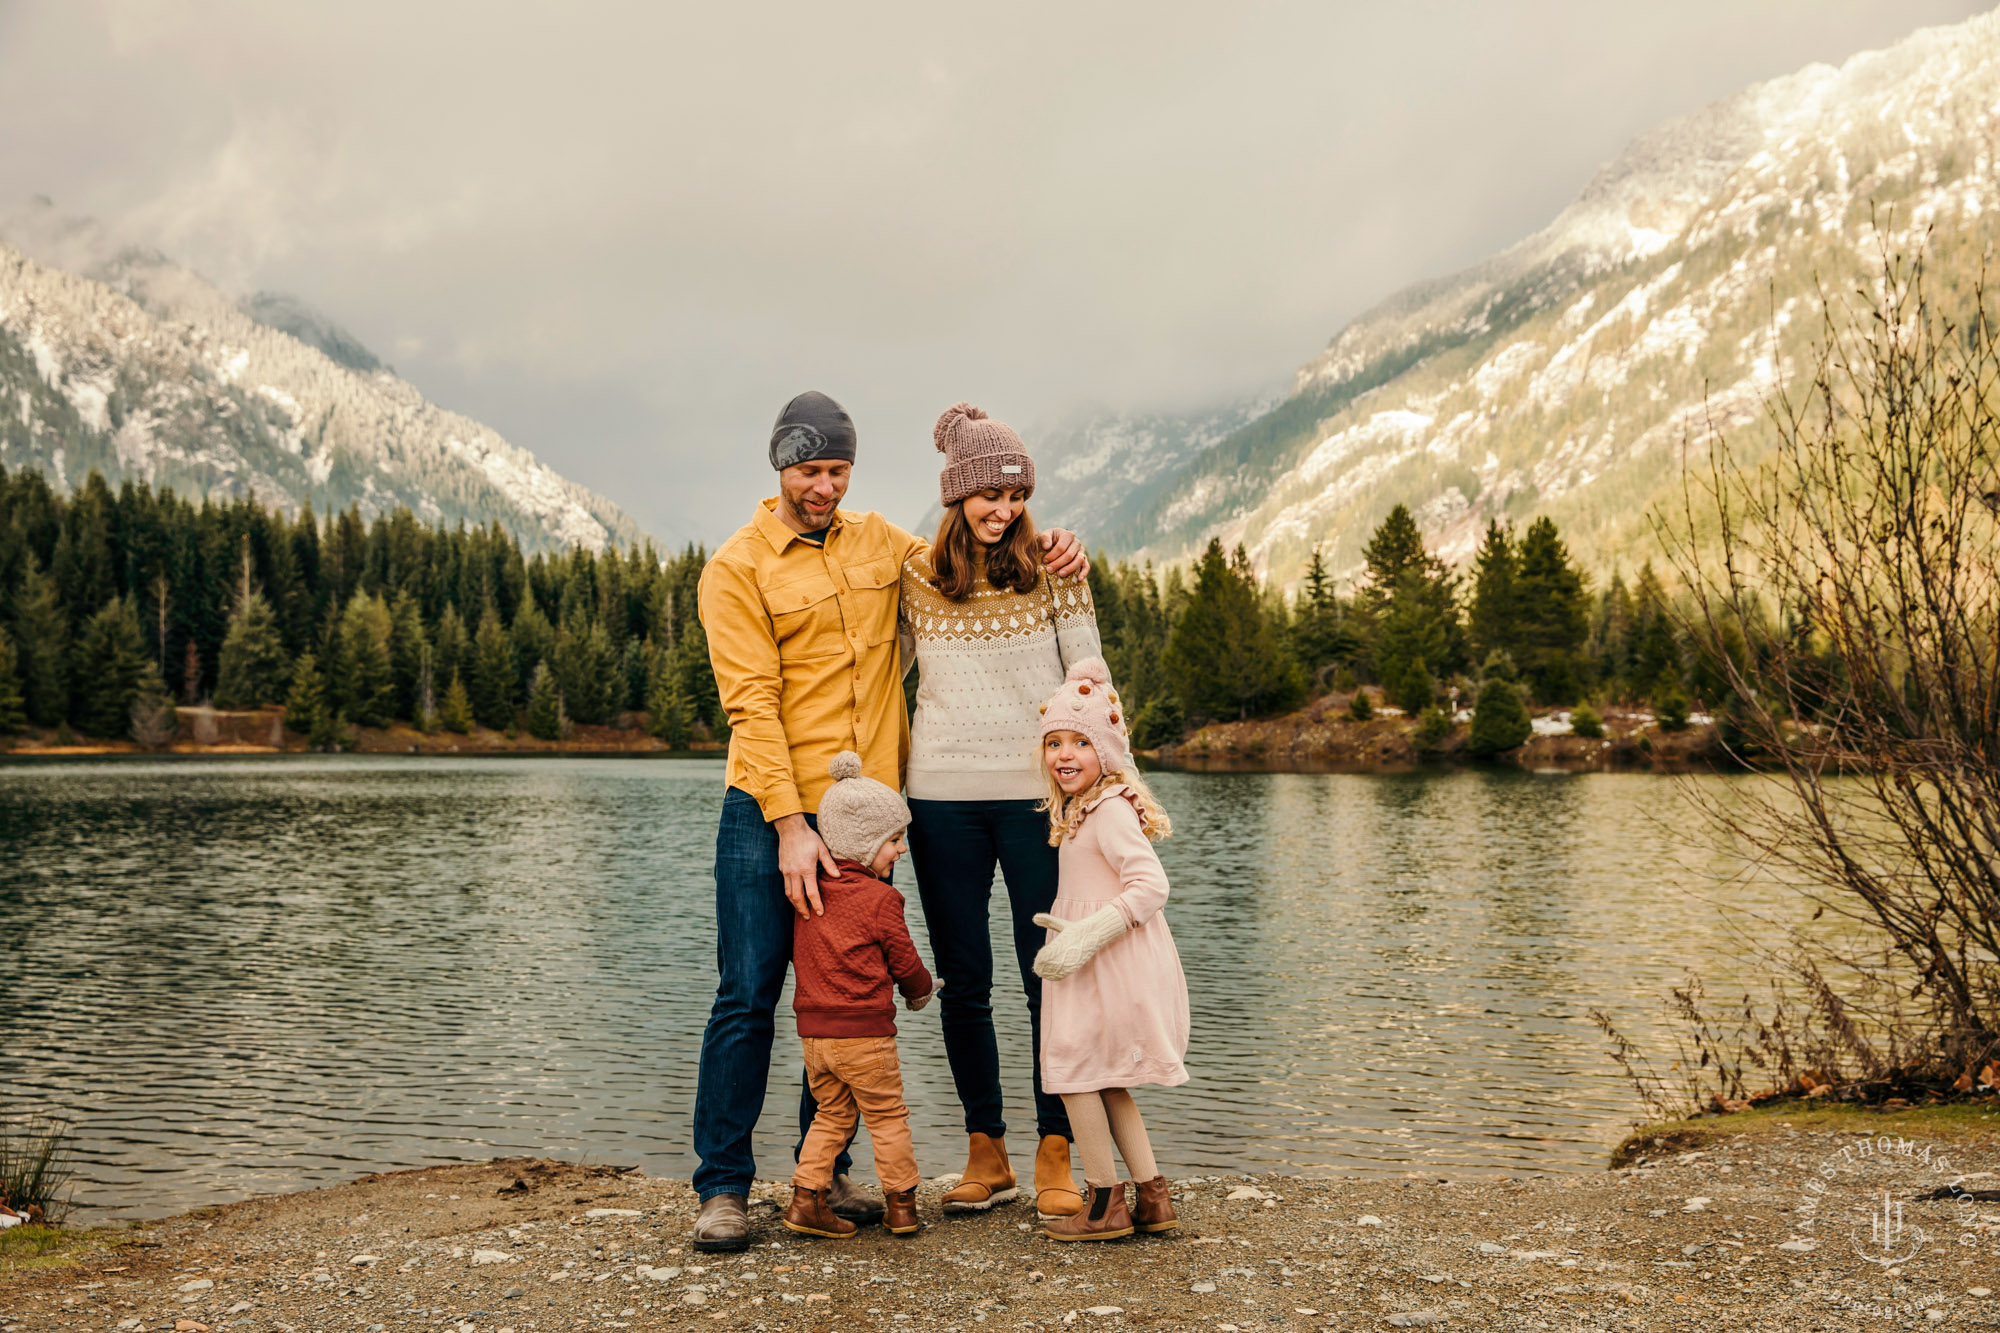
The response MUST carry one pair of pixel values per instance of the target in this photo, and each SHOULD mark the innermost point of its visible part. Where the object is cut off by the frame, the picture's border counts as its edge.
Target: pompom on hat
(1087, 703)
(981, 454)
(857, 815)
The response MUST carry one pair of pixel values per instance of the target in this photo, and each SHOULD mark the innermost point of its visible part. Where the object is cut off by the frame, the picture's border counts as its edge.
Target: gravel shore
(1712, 1238)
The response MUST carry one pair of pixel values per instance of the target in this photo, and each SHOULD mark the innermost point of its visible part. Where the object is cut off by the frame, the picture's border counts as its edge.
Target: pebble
(1799, 1244)
(1368, 1220)
(1488, 1247)
(512, 1294)
(1698, 1204)
(1415, 1318)
(239, 1307)
(365, 1259)
(199, 1284)
(1102, 1310)
(1979, 1291)
(492, 1257)
(613, 1212)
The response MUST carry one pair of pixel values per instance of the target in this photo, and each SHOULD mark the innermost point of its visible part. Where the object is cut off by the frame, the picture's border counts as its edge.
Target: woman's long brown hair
(1013, 563)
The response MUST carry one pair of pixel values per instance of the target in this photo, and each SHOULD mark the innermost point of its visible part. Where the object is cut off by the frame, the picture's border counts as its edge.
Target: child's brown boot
(1153, 1210)
(1103, 1217)
(1055, 1187)
(988, 1178)
(900, 1212)
(812, 1215)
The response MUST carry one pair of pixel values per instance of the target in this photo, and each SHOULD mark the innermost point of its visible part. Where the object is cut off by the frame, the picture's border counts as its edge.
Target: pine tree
(1656, 664)
(1160, 722)
(153, 717)
(454, 646)
(1409, 594)
(1492, 618)
(1225, 657)
(408, 649)
(588, 673)
(253, 671)
(535, 640)
(13, 708)
(1321, 636)
(668, 716)
(456, 714)
(1500, 719)
(545, 710)
(1409, 639)
(308, 710)
(41, 640)
(367, 681)
(111, 664)
(698, 680)
(1553, 615)
(492, 673)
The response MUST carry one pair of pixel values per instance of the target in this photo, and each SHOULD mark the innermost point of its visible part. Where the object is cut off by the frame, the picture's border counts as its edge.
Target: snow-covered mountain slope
(1673, 296)
(144, 370)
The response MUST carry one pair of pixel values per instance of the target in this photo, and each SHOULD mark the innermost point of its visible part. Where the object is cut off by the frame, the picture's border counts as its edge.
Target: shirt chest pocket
(805, 617)
(877, 586)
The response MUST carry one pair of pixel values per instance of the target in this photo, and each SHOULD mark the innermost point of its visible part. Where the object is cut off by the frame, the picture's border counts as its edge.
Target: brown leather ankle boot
(811, 1214)
(900, 1212)
(1055, 1188)
(1153, 1210)
(988, 1178)
(1103, 1216)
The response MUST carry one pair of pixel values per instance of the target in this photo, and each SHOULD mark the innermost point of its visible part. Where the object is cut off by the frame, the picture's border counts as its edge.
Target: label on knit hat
(1011, 469)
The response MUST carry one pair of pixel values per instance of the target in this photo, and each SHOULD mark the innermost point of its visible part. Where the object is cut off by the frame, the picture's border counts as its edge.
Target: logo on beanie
(797, 445)
(1011, 469)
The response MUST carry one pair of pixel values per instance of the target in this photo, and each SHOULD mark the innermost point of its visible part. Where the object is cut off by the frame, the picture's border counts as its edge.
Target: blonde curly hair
(1066, 813)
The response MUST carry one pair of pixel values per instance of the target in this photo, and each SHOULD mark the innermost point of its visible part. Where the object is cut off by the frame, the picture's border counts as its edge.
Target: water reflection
(252, 976)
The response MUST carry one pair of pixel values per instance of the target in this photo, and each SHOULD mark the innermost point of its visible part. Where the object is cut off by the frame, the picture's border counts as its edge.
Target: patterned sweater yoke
(986, 666)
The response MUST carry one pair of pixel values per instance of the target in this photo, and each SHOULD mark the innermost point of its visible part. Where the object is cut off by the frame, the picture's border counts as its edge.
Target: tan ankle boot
(1104, 1217)
(1055, 1188)
(900, 1212)
(1153, 1210)
(812, 1215)
(988, 1178)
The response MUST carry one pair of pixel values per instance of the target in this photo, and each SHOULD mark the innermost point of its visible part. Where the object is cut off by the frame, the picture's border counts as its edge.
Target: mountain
(1673, 297)
(118, 359)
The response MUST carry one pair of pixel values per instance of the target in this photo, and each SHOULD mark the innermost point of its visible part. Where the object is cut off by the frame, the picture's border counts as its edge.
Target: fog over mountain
(620, 235)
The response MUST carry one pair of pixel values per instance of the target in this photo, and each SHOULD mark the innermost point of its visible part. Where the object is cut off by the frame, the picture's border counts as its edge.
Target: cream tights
(1097, 1119)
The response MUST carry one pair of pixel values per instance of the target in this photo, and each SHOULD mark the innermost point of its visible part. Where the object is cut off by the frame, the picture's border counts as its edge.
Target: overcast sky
(624, 234)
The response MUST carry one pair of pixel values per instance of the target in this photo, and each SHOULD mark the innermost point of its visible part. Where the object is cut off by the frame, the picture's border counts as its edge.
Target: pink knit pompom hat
(1086, 703)
(981, 454)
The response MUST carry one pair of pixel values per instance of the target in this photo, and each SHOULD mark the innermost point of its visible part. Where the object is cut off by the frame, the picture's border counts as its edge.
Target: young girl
(1115, 1004)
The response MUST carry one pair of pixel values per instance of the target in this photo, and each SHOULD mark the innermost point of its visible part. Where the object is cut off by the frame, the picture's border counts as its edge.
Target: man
(800, 610)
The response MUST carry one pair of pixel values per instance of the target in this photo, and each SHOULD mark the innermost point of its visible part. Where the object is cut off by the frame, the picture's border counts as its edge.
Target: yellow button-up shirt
(803, 641)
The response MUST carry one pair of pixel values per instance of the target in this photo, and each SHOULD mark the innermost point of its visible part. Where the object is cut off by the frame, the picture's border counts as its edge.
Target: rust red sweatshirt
(843, 962)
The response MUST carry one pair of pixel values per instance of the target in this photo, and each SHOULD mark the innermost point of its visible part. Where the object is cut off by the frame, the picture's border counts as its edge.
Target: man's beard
(805, 517)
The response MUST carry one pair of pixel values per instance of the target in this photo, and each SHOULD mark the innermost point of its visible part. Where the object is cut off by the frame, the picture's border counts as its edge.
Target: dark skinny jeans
(954, 846)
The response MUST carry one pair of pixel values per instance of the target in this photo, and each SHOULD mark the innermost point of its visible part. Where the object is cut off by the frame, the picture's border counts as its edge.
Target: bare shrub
(1844, 591)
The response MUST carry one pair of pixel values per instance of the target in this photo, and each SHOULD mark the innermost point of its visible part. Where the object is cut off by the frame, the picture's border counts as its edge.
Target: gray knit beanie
(811, 427)
(981, 453)
(857, 815)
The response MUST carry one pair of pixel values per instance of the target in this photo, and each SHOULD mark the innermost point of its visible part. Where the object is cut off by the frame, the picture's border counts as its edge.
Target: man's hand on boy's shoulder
(1063, 553)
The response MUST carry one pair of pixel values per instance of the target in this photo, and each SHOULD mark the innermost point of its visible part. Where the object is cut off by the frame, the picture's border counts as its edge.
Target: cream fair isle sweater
(987, 665)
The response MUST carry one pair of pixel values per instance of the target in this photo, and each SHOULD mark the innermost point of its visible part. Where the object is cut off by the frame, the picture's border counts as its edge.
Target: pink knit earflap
(947, 425)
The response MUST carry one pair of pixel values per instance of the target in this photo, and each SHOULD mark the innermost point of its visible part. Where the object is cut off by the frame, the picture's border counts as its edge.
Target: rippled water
(254, 976)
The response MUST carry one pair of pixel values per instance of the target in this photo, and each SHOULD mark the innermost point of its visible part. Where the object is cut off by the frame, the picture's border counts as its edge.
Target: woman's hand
(1076, 942)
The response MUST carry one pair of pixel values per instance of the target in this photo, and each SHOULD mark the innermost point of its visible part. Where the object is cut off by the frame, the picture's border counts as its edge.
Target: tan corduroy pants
(857, 1076)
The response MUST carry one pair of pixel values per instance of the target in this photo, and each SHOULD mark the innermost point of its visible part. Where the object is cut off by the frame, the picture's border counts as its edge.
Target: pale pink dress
(1122, 1018)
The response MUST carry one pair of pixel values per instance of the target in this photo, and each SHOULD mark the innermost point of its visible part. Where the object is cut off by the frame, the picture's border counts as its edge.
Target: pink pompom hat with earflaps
(981, 454)
(1088, 704)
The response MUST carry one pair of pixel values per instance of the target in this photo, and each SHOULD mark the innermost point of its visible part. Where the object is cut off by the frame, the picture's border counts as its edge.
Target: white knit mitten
(1076, 942)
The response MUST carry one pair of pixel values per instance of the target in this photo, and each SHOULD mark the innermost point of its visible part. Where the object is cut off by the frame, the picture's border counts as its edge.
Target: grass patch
(1953, 1122)
(26, 1248)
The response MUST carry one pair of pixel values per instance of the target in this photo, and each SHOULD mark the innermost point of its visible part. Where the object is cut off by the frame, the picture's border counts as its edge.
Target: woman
(992, 634)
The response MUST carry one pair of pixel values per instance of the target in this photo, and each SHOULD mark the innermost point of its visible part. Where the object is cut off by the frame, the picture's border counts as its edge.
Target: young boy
(842, 967)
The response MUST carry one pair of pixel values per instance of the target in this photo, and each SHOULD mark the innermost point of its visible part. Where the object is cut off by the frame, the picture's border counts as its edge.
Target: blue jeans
(955, 845)
(753, 950)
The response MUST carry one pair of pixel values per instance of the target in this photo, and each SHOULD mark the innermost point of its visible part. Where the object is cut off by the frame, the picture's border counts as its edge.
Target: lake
(250, 976)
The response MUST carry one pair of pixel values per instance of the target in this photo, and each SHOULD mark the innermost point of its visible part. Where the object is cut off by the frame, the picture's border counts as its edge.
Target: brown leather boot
(1055, 1188)
(812, 1215)
(988, 1178)
(1103, 1217)
(1153, 1209)
(900, 1212)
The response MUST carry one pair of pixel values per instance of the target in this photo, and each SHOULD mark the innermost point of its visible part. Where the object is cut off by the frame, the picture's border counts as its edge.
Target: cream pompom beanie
(857, 815)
